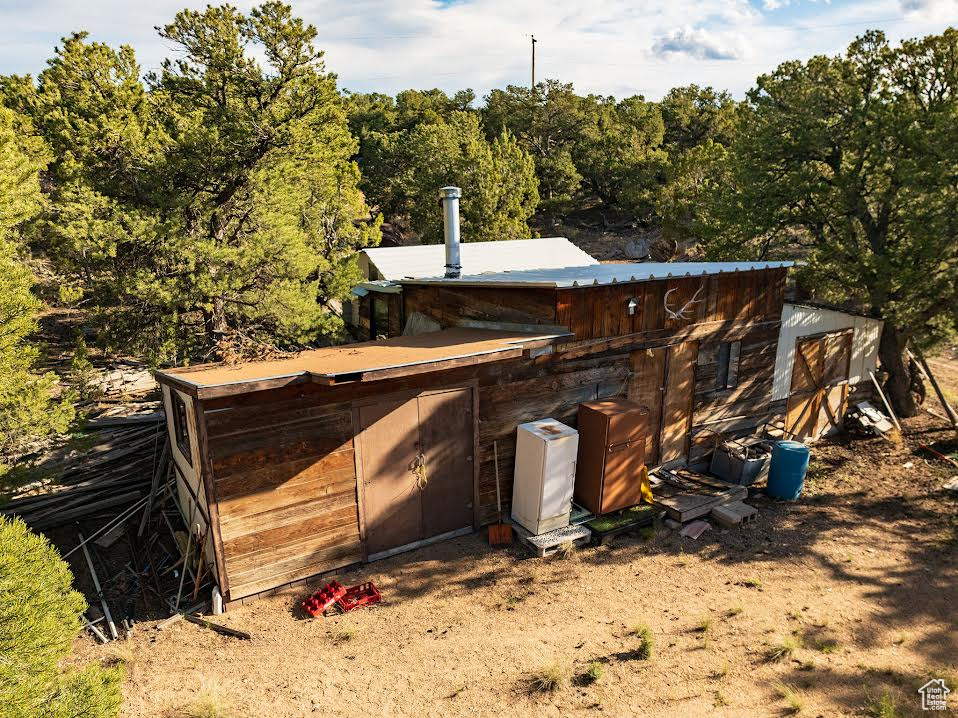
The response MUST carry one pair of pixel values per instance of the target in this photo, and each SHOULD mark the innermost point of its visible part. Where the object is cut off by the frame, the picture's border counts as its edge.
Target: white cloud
(937, 9)
(604, 46)
(699, 44)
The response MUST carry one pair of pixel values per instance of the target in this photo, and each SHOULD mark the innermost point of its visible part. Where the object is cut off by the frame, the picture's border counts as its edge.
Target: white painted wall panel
(799, 320)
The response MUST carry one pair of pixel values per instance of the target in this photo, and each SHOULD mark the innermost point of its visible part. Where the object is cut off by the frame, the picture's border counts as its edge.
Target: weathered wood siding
(448, 305)
(368, 326)
(742, 410)
(595, 312)
(284, 479)
(282, 462)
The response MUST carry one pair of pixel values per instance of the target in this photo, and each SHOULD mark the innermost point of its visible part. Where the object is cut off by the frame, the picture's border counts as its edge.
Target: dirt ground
(857, 578)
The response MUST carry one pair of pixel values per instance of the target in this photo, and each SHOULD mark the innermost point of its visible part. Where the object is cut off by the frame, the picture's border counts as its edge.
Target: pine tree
(28, 407)
(216, 203)
(852, 159)
(39, 619)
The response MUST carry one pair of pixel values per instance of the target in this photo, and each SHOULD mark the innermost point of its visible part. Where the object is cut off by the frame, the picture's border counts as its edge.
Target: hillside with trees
(213, 209)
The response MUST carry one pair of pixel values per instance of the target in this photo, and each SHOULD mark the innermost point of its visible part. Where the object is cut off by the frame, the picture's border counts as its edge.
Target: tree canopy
(852, 161)
(215, 201)
(29, 407)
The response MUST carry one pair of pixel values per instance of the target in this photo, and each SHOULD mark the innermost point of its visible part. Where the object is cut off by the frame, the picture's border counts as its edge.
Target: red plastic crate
(317, 604)
(365, 594)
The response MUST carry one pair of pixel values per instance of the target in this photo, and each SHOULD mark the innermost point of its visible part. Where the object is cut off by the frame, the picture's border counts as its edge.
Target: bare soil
(859, 576)
(945, 368)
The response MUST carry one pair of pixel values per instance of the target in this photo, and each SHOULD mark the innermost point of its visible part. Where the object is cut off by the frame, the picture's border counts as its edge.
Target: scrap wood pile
(142, 565)
(125, 458)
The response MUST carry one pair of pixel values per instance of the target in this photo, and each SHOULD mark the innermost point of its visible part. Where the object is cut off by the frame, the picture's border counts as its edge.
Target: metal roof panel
(429, 260)
(599, 274)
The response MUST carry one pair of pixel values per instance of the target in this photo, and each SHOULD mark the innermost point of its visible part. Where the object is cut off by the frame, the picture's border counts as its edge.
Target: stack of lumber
(115, 468)
(685, 494)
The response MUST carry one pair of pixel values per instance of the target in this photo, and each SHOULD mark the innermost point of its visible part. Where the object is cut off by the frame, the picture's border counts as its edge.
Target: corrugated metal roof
(593, 274)
(429, 260)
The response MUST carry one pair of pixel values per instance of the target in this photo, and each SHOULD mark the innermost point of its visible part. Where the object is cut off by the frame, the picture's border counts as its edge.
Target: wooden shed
(825, 356)
(301, 466)
(376, 307)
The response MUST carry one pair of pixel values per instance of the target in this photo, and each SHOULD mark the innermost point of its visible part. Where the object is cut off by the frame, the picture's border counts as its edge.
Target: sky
(609, 47)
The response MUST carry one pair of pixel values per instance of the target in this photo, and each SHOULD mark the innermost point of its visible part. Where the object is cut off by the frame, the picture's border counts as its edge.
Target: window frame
(181, 426)
(727, 365)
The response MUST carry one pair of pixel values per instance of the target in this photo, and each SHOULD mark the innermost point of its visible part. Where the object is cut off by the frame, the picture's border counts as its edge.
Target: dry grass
(785, 648)
(210, 703)
(884, 706)
(592, 674)
(121, 653)
(791, 695)
(567, 550)
(646, 643)
(547, 679)
(346, 634)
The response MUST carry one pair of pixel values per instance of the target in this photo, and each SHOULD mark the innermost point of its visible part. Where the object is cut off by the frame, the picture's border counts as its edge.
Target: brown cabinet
(611, 454)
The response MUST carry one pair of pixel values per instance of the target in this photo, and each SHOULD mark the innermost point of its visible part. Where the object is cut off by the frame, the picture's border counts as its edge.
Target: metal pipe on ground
(99, 590)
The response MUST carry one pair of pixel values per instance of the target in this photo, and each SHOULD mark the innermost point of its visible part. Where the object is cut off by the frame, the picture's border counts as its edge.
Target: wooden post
(891, 412)
(952, 416)
(186, 563)
(159, 472)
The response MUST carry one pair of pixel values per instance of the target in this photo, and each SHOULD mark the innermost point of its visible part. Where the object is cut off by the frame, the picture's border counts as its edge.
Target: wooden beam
(247, 387)
(718, 331)
(224, 630)
(891, 412)
(428, 367)
(175, 382)
(99, 590)
(952, 416)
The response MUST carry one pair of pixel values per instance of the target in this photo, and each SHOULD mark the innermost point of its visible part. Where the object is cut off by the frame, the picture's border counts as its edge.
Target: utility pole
(533, 61)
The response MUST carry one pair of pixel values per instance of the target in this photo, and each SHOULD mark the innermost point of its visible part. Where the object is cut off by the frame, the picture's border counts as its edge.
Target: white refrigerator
(544, 475)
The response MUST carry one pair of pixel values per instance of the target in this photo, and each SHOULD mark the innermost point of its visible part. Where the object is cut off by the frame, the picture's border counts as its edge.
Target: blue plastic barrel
(786, 474)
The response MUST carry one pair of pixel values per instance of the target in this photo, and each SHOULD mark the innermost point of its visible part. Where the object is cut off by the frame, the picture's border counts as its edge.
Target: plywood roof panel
(385, 358)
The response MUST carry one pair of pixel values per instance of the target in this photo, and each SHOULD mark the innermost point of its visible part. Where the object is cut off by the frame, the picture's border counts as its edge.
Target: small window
(379, 318)
(181, 428)
(727, 371)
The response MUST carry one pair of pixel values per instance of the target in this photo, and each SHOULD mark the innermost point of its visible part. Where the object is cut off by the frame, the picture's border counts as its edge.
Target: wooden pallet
(629, 520)
(685, 494)
(550, 542)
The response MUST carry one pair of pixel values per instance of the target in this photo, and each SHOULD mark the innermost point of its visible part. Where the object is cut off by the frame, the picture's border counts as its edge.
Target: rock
(952, 484)
(637, 249)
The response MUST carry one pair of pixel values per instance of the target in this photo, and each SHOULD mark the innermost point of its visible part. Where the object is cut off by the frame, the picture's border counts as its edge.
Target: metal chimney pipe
(450, 220)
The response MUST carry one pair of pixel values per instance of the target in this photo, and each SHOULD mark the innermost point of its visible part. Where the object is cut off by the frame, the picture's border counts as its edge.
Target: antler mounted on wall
(680, 314)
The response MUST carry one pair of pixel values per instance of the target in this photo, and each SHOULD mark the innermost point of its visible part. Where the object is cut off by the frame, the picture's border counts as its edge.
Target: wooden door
(446, 429)
(818, 397)
(663, 379)
(391, 495)
(647, 387)
(677, 401)
(417, 468)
